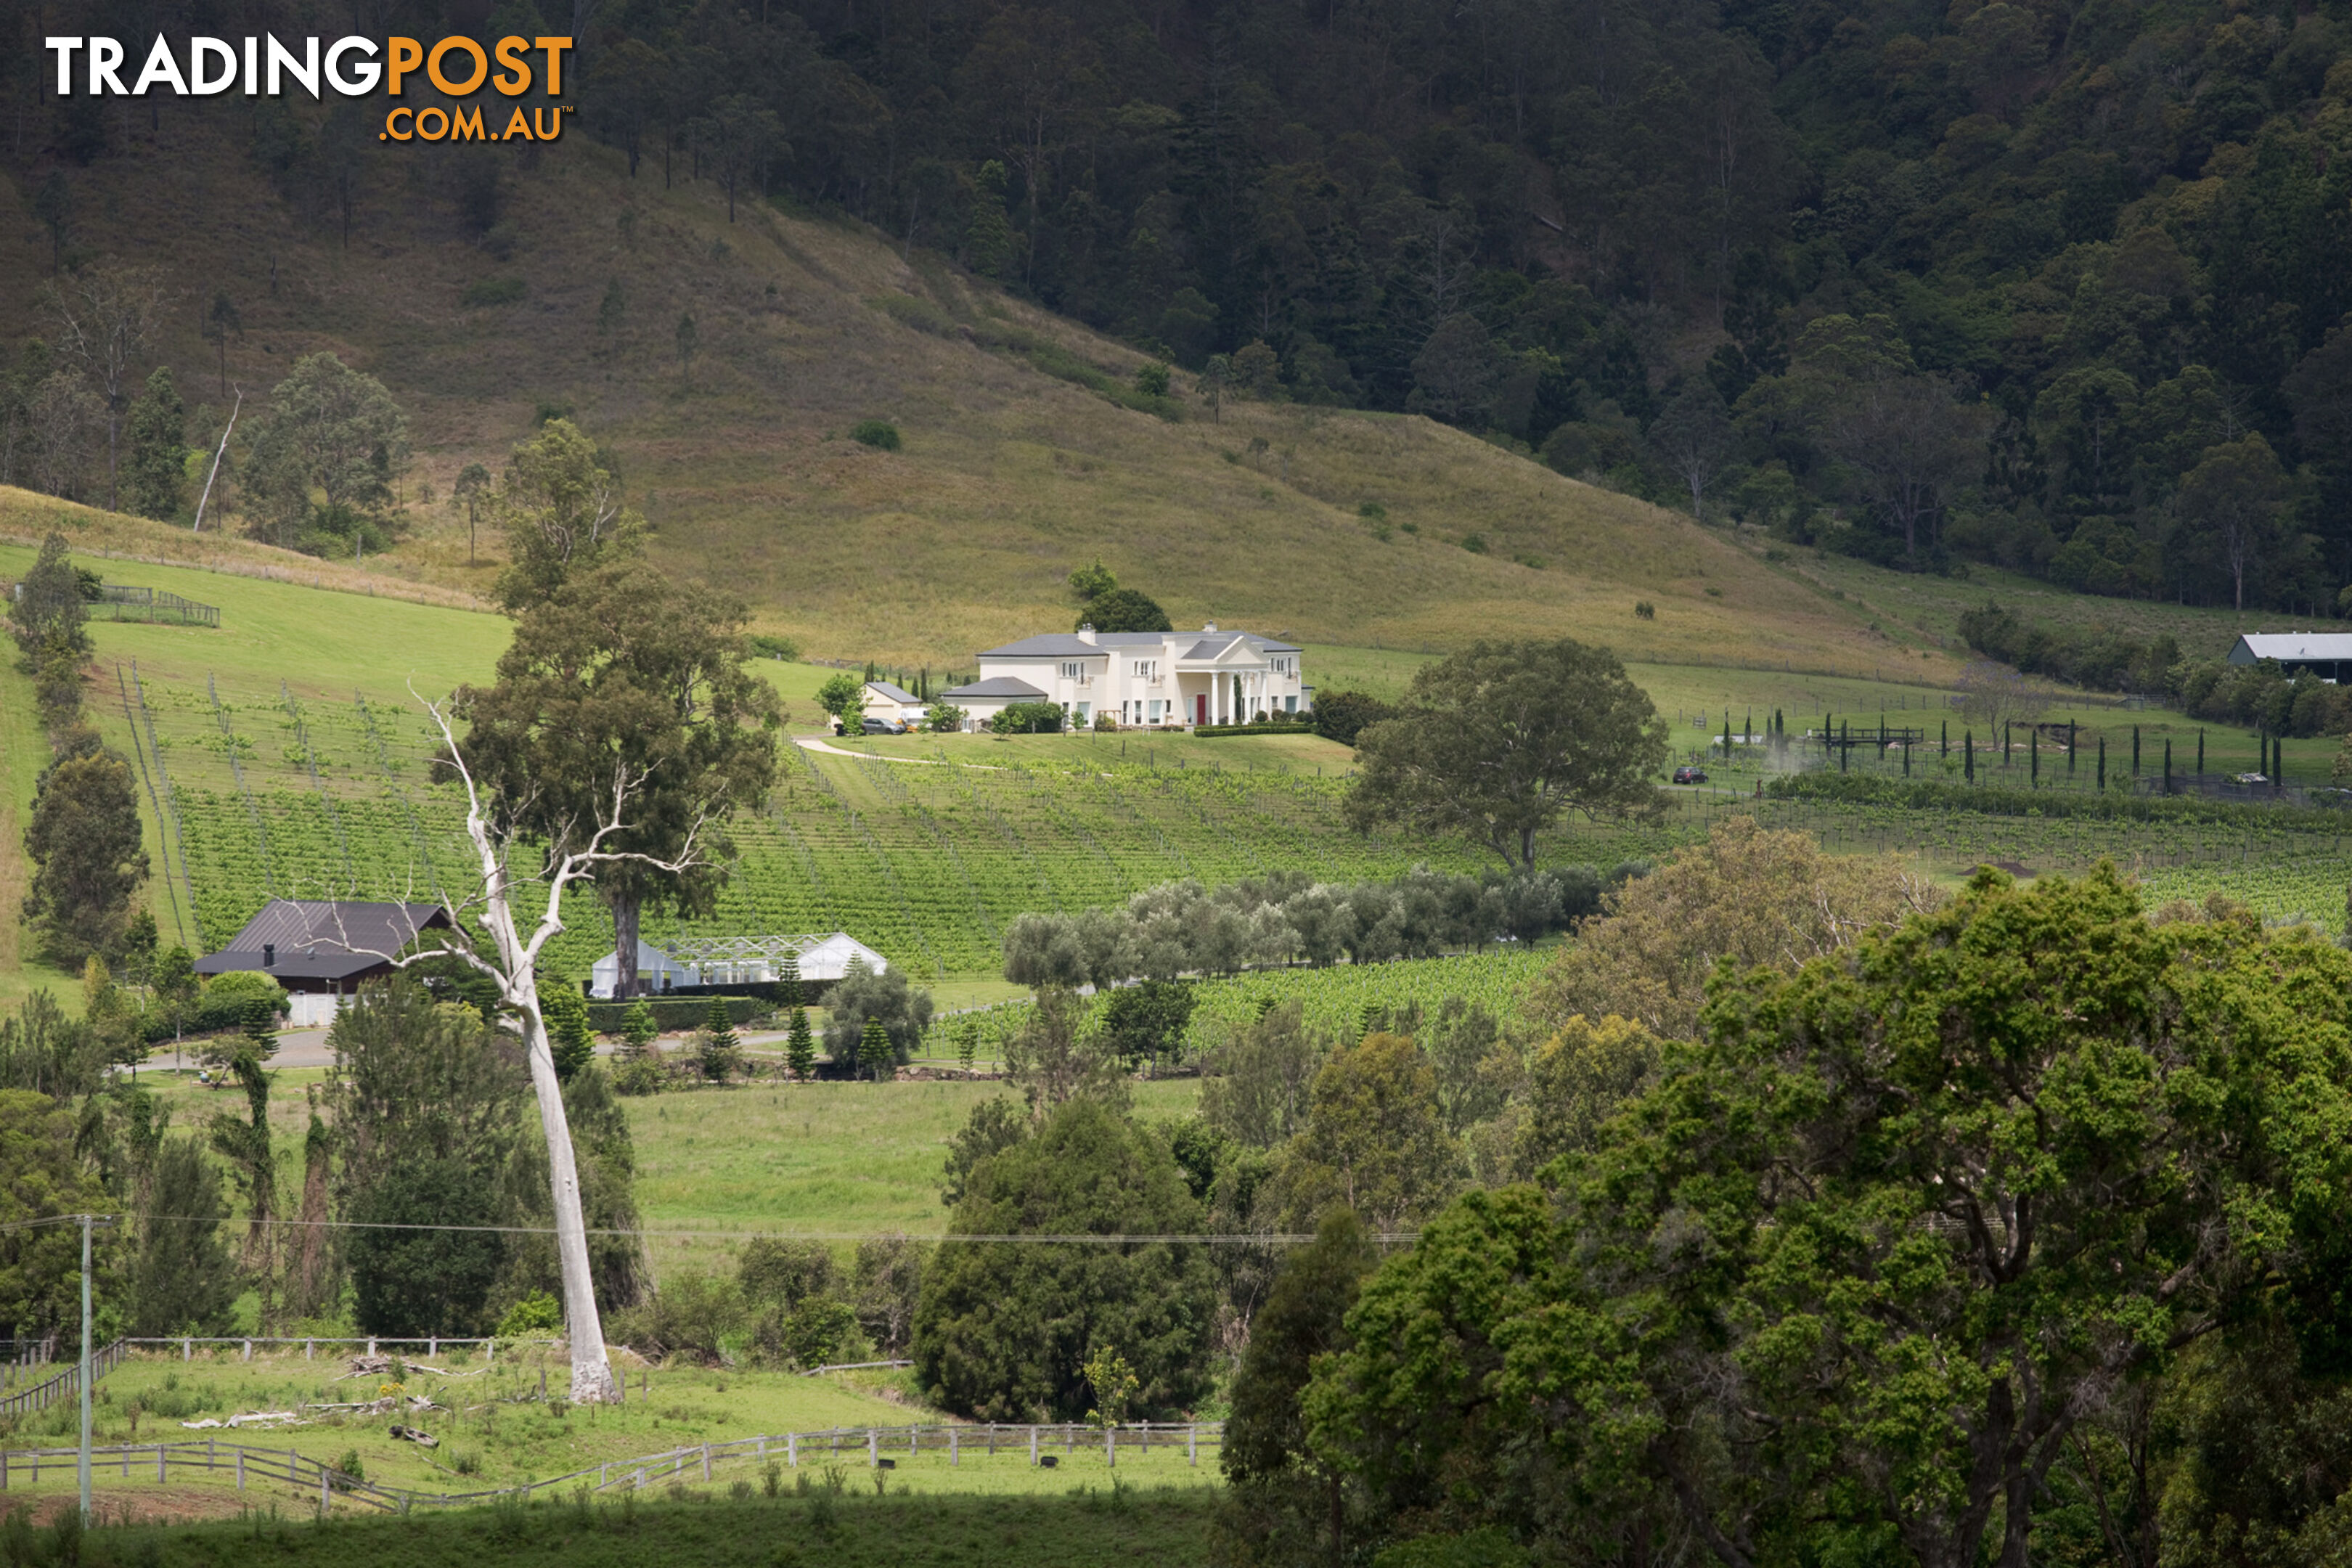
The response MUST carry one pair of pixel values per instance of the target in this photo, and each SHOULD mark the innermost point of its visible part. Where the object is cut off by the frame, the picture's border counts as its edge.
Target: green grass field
(1080, 1523)
(497, 1431)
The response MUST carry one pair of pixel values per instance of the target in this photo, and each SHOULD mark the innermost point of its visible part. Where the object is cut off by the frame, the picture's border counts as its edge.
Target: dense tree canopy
(1876, 1257)
(1003, 1327)
(1497, 742)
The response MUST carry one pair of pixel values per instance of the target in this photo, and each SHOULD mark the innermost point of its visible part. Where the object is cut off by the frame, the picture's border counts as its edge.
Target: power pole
(86, 1222)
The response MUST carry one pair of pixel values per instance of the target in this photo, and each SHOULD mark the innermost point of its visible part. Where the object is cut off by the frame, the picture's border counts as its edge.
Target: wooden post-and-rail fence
(882, 1444)
(881, 1447)
(66, 1384)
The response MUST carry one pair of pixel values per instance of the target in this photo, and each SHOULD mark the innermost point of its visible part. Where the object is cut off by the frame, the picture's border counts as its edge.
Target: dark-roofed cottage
(320, 949)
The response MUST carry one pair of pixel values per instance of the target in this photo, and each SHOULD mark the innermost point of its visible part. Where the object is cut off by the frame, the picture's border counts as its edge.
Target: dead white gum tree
(513, 967)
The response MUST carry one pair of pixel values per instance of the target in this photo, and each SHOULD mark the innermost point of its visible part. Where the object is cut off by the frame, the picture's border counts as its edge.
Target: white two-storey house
(1206, 677)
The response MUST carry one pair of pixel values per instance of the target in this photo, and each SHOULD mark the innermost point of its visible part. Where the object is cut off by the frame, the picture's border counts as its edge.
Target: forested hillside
(2058, 288)
(2054, 286)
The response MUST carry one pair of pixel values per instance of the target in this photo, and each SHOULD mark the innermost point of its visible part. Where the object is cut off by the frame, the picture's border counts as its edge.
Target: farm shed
(2325, 655)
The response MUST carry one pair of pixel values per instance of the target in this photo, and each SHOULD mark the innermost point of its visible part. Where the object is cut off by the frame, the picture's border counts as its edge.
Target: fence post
(432, 1347)
(1110, 1446)
(914, 1441)
(186, 1349)
(793, 1449)
(310, 1349)
(1032, 1446)
(240, 1469)
(873, 1447)
(248, 1350)
(370, 1345)
(1193, 1444)
(706, 1461)
(159, 1464)
(955, 1454)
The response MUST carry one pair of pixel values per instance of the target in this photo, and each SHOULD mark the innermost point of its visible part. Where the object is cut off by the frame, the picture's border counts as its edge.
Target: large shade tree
(619, 670)
(1496, 743)
(1853, 1278)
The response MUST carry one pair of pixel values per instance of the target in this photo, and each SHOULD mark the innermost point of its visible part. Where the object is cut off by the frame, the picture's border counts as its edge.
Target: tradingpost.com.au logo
(458, 66)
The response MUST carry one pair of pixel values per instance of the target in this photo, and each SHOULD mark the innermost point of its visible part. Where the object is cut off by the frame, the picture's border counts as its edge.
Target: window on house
(1082, 712)
(1290, 704)
(1143, 670)
(1073, 671)
(1152, 709)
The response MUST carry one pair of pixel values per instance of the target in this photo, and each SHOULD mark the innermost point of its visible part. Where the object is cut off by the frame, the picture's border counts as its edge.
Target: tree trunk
(592, 1375)
(626, 907)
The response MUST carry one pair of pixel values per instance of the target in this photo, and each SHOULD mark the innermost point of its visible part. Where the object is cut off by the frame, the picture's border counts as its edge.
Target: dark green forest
(2055, 286)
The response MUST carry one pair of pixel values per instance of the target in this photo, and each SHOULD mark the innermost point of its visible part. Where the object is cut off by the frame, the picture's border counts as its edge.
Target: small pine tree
(873, 1053)
(967, 1038)
(638, 1030)
(800, 1045)
(259, 1028)
(788, 983)
(568, 1039)
(721, 1050)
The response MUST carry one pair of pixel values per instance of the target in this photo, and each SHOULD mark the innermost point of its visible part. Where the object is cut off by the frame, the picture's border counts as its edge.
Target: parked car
(1690, 775)
(2253, 778)
(882, 726)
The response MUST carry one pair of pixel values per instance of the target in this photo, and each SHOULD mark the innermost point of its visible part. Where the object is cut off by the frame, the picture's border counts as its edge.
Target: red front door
(1201, 709)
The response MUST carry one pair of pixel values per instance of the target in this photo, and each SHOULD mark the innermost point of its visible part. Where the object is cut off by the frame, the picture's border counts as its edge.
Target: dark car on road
(1690, 775)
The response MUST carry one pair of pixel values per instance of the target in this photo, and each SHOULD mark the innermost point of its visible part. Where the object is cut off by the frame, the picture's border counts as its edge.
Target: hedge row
(2119, 803)
(1211, 732)
(676, 1015)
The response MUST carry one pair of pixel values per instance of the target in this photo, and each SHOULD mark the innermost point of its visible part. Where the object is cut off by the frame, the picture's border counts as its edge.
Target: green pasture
(1073, 1520)
(853, 1159)
(503, 1421)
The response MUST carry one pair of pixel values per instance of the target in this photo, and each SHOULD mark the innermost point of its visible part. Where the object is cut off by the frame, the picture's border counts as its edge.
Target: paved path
(806, 743)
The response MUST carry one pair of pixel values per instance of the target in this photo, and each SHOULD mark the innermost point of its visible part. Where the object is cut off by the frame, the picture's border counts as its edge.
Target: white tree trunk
(591, 1374)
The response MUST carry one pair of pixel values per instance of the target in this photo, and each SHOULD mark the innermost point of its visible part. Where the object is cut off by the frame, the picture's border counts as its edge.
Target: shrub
(1341, 716)
(1475, 543)
(1028, 719)
(1106, 721)
(1372, 512)
(880, 435)
(643, 1075)
(943, 717)
(1151, 380)
(1644, 610)
(768, 646)
(537, 1313)
(485, 292)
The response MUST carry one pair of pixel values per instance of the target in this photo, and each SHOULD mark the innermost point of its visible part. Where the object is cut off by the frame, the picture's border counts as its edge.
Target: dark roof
(320, 938)
(895, 694)
(996, 686)
(1069, 644)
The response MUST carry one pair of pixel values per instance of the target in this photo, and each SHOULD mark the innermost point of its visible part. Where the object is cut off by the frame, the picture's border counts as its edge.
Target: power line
(1282, 1238)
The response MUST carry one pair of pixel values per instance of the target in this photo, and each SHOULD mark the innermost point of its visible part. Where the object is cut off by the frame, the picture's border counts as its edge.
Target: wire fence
(881, 1448)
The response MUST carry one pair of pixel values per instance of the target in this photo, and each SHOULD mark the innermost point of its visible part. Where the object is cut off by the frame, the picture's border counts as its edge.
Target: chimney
(268, 955)
(1087, 633)
(1210, 627)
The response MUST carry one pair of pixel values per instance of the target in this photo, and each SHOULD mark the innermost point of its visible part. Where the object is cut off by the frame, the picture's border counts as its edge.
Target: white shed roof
(2296, 647)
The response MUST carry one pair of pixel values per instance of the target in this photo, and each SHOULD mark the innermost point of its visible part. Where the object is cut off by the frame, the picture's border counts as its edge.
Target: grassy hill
(1019, 462)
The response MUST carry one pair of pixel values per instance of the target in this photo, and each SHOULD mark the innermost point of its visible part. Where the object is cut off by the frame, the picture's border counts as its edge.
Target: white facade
(884, 699)
(656, 971)
(734, 961)
(1142, 678)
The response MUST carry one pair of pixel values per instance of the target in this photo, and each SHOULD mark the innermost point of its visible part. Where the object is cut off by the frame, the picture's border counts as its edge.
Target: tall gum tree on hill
(622, 669)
